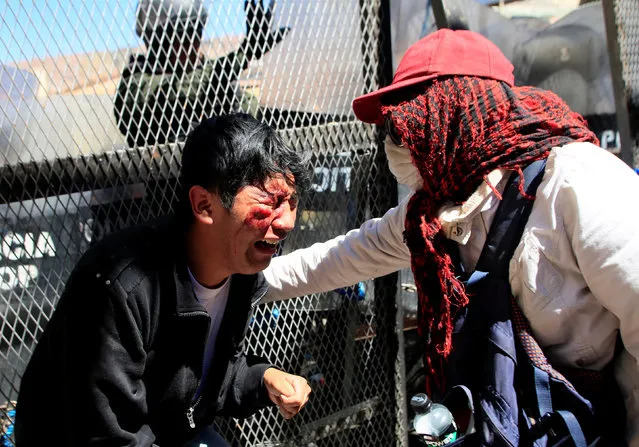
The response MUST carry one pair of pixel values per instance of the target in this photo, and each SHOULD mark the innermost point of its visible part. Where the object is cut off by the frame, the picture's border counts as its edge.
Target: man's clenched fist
(288, 392)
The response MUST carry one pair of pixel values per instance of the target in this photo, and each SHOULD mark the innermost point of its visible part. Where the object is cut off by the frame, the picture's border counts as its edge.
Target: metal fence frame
(622, 29)
(118, 175)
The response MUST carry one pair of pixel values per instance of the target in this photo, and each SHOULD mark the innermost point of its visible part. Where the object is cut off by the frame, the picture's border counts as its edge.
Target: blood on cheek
(260, 217)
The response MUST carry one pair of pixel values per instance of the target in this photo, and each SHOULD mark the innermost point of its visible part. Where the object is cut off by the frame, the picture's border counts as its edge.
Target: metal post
(440, 13)
(383, 195)
(626, 131)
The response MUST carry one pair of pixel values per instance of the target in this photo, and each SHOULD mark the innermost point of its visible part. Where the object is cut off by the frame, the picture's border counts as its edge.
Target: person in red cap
(456, 129)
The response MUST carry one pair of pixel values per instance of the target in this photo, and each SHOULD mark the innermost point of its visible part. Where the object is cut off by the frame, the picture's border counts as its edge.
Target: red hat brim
(368, 107)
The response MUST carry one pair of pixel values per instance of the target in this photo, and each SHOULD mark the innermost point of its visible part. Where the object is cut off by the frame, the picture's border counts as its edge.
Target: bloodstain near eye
(259, 217)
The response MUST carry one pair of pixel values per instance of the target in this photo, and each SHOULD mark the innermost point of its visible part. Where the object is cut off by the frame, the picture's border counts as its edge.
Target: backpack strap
(510, 220)
(502, 239)
(485, 354)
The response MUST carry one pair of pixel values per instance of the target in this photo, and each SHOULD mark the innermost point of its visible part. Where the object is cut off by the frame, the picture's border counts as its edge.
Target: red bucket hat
(442, 53)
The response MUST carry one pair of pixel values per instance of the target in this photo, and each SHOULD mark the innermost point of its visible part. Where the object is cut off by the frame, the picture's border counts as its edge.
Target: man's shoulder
(129, 255)
(581, 161)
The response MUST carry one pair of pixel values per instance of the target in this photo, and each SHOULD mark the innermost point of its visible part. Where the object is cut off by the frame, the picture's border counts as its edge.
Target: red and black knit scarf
(458, 130)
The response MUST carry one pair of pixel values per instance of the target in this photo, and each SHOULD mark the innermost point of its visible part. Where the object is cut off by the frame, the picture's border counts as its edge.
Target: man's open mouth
(267, 245)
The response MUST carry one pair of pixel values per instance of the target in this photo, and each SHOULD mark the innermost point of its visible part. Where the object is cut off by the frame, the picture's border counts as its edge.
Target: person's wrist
(271, 374)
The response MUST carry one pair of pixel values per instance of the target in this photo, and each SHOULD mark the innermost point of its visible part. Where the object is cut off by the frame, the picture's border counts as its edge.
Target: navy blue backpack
(502, 391)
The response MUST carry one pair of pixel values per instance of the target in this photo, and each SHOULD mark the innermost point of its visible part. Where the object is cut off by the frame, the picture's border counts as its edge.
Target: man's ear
(201, 204)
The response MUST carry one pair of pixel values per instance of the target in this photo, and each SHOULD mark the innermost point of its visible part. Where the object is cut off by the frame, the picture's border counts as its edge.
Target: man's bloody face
(259, 220)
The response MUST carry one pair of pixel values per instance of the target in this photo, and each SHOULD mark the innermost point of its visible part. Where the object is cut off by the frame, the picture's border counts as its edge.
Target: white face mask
(402, 166)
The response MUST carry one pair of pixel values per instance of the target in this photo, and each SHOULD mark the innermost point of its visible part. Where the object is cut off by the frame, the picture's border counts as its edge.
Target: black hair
(224, 153)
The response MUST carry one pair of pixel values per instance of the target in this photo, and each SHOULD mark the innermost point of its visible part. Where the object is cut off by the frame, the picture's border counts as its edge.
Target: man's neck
(205, 264)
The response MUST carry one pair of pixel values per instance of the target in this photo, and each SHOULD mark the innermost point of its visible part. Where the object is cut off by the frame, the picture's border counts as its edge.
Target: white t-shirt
(214, 301)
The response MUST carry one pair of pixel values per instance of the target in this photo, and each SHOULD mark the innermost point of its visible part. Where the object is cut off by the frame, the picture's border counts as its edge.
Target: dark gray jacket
(120, 360)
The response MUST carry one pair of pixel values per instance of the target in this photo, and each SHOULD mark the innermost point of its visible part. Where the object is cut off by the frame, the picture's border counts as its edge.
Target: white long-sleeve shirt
(575, 272)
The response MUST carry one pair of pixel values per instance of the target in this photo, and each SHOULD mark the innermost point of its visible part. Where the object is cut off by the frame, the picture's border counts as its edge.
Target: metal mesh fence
(95, 100)
(622, 28)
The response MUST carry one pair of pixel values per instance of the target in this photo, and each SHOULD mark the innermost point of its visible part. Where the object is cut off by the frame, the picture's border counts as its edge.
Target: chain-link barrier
(622, 28)
(95, 101)
(566, 54)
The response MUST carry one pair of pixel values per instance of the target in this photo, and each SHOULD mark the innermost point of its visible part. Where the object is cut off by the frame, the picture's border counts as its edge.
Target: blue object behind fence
(5, 438)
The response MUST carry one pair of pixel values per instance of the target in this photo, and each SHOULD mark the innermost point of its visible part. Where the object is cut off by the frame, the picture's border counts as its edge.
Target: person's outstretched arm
(375, 249)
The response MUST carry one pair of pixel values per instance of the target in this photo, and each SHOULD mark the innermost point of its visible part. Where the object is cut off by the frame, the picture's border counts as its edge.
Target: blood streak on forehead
(278, 190)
